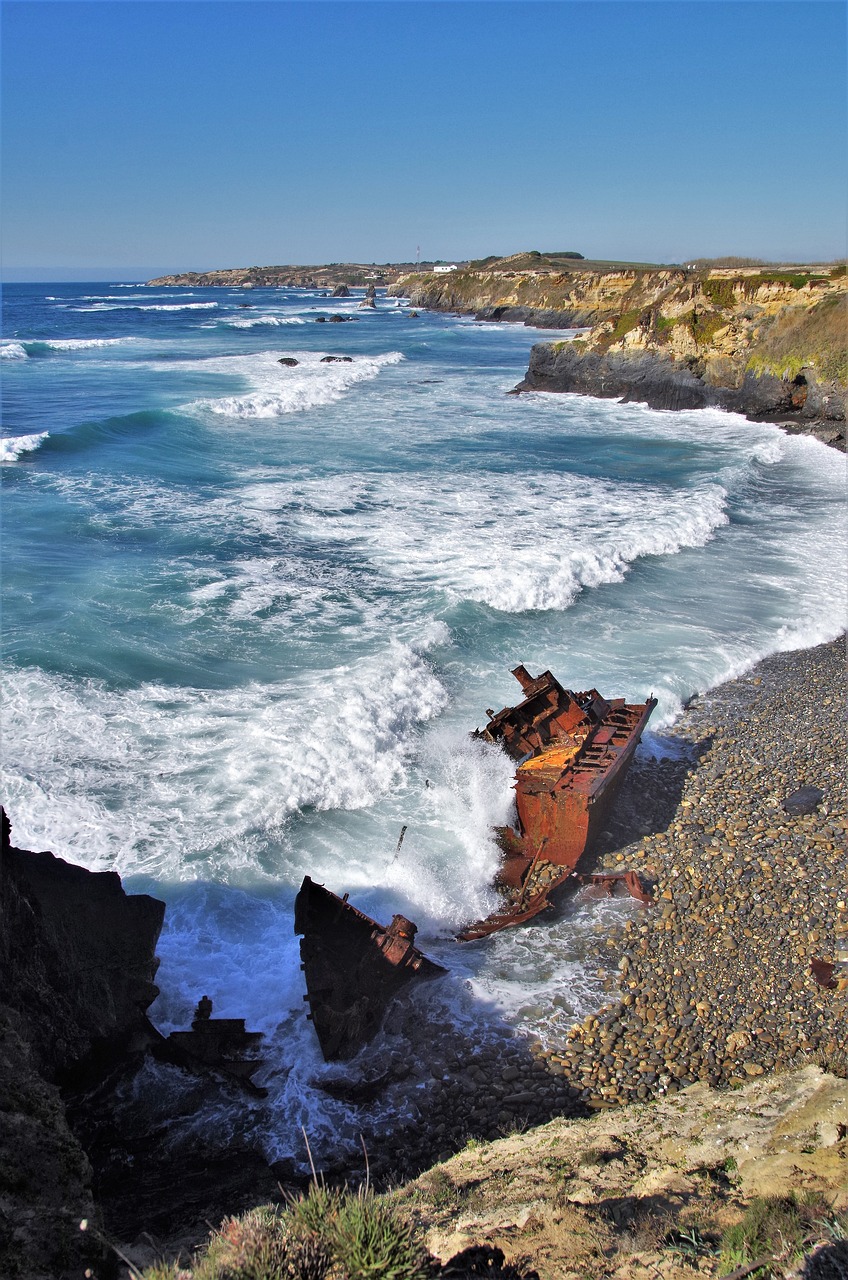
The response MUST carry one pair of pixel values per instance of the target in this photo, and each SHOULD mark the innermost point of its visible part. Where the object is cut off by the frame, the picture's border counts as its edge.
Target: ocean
(252, 611)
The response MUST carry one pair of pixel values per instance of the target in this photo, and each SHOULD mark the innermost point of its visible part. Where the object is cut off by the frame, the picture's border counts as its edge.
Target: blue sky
(184, 135)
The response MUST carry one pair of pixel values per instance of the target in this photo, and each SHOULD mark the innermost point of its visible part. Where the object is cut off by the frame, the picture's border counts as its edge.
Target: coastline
(768, 344)
(710, 986)
(800, 406)
(709, 989)
(713, 983)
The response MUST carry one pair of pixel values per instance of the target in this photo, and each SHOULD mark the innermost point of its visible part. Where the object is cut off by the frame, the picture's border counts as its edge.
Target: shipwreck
(572, 751)
(221, 1046)
(354, 967)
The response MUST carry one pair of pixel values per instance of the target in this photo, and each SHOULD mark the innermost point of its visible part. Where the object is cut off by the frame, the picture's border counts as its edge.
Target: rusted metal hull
(563, 804)
(353, 967)
(573, 751)
(219, 1045)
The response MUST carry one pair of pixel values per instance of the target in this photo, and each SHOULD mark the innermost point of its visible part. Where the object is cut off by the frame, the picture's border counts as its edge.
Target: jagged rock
(337, 359)
(288, 361)
(663, 382)
(79, 957)
(78, 960)
(340, 291)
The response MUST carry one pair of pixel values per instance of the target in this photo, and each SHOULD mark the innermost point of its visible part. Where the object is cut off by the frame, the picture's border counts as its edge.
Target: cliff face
(769, 344)
(547, 300)
(78, 961)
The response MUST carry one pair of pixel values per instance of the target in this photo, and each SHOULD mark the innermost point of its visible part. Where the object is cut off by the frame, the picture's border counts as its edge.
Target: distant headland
(768, 340)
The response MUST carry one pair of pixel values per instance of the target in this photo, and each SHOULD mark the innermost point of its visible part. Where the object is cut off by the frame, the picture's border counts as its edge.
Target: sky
(141, 137)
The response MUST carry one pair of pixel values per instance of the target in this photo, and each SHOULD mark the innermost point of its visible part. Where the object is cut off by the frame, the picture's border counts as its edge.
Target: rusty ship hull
(353, 966)
(572, 751)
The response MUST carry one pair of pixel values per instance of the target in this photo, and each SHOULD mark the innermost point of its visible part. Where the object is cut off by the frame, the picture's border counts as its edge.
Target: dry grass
(799, 337)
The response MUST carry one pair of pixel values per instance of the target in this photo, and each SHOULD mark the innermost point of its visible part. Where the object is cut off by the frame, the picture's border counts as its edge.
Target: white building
(441, 270)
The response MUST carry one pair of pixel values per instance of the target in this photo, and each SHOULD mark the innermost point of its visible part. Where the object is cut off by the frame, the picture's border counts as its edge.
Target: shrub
(370, 1241)
(720, 292)
(340, 1233)
(773, 1227)
(263, 1244)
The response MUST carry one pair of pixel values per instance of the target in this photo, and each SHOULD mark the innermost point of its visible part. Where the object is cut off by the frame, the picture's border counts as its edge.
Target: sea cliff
(78, 962)
(768, 343)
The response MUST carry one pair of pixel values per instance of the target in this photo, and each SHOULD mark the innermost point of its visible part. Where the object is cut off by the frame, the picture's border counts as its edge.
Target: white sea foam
(129, 306)
(186, 783)
(18, 350)
(14, 447)
(252, 322)
(563, 533)
(276, 389)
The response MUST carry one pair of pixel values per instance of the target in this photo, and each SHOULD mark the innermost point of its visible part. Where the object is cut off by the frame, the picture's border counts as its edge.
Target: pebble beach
(713, 982)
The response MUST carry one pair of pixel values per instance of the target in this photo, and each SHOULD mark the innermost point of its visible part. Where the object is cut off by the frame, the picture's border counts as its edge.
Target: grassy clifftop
(699, 1185)
(767, 320)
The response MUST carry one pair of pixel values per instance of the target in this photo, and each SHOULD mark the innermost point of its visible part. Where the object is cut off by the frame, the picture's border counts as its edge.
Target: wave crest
(14, 447)
(277, 390)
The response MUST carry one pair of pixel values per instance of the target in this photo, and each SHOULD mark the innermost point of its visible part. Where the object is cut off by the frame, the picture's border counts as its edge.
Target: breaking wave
(14, 447)
(252, 322)
(278, 390)
(185, 783)
(564, 533)
(130, 306)
(37, 346)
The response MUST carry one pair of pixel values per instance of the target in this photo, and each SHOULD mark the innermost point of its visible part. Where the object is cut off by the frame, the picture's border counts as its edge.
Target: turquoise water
(251, 613)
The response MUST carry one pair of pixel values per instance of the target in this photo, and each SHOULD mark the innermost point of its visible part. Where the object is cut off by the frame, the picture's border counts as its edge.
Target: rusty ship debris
(572, 751)
(353, 967)
(219, 1045)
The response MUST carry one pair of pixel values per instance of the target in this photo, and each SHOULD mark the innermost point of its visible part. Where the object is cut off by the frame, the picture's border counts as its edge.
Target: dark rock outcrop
(78, 960)
(288, 361)
(340, 291)
(79, 955)
(664, 383)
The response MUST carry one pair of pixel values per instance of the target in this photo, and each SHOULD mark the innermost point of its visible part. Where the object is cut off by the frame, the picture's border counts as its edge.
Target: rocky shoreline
(710, 988)
(769, 344)
(713, 984)
(803, 404)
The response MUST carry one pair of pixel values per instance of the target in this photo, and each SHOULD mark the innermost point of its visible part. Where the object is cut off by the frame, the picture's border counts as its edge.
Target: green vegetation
(704, 325)
(778, 1228)
(817, 337)
(706, 264)
(625, 322)
(327, 1233)
(720, 292)
(795, 280)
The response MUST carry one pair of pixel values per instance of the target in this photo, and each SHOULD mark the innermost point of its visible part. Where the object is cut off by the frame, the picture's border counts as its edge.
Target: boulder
(340, 291)
(337, 359)
(288, 361)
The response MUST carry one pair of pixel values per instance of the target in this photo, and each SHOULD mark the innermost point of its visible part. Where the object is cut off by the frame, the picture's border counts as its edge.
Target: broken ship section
(572, 751)
(353, 966)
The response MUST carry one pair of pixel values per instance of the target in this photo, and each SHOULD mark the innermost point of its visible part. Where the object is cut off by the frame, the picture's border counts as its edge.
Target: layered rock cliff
(78, 962)
(767, 343)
